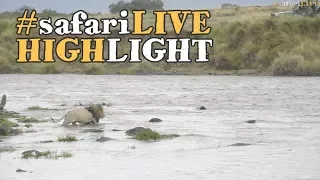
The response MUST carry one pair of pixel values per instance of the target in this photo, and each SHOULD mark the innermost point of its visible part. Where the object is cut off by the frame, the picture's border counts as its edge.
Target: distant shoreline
(252, 73)
(247, 42)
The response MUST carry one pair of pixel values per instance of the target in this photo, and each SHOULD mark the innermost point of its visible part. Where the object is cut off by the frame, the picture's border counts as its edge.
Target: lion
(91, 114)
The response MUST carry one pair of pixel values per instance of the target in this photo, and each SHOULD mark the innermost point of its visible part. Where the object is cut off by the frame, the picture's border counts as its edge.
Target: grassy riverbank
(247, 41)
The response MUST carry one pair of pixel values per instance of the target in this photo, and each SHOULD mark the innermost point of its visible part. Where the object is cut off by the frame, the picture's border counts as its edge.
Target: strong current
(283, 144)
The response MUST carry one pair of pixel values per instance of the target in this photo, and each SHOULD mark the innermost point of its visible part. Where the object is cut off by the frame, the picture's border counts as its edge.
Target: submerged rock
(135, 131)
(5, 130)
(202, 108)
(104, 139)
(31, 131)
(92, 130)
(3, 102)
(240, 144)
(16, 131)
(251, 121)
(155, 120)
(20, 170)
(31, 153)
(49, 141)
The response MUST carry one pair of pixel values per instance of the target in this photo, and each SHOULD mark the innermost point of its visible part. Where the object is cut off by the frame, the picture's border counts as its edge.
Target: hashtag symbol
(26, 22)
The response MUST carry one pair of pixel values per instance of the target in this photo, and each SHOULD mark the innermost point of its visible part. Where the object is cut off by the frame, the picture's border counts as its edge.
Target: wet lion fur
(91, 114)
(96, 110)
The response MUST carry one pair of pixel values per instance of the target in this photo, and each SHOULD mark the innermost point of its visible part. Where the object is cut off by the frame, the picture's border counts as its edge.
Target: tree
(25, 7)
(228, 5)
(50, 13)
(136, 4)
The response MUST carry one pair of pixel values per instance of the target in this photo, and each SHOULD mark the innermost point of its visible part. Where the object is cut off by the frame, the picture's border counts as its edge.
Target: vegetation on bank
(246, 41)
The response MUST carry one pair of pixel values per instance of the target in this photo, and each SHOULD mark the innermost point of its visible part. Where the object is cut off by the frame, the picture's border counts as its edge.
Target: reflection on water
(285, 141)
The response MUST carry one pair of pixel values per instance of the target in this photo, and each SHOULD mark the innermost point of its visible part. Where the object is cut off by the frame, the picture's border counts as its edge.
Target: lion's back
(81, 115)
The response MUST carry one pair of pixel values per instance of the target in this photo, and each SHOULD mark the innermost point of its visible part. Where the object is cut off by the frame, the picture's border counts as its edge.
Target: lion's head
(97, 111)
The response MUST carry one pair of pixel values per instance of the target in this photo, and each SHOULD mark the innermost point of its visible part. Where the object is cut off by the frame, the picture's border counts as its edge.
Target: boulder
(32, 153)
(155, 120)
(135, 131)
(5, 130)
(16, 131)
(202, 108)
(104, 139)
(48, 141)
(251, 121)
(20, 170)
(240, 144)
(93, 131)
(3, 102)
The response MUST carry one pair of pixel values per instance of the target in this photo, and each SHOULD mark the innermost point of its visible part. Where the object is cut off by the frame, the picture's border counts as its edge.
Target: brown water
(285, 140)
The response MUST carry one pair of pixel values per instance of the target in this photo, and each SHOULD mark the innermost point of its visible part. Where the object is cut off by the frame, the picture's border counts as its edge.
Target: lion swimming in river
(91, 114)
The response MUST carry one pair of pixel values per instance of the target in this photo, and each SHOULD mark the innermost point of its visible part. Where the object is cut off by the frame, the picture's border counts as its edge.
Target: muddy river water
(284, 142)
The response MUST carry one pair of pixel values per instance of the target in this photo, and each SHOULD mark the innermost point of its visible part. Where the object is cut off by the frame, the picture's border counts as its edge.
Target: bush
(148, 134)
(67, 139)
(295, 65)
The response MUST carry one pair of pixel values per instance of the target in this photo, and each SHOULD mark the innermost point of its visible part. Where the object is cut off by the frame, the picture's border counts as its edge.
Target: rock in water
(240, 144)
(135, 131)
(155, 120)
(202, 108)
(20, 170)
(3, 102)
(251, 121)
(48, 141)
(32, 153)
(5, 130)
(93, 130)
(16, 131)
(104, 139)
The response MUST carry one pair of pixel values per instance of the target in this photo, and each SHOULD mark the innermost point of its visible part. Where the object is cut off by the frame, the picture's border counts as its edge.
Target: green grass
(8, 123)
(30, 120)
(8, 115)
(147, 135)
(150, 135)
(67, 138)
(47, 155)
(38, 108)
(4, 149)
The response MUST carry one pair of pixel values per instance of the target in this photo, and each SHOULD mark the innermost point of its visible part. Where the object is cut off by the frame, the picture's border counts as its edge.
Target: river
(284, 142)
